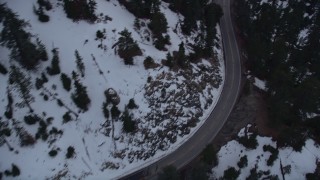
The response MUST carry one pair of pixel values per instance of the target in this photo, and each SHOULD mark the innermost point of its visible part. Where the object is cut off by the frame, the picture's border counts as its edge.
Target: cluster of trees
(149, 9)
(80, 9)
(194, 11)
(178, 59)
(13, 35)
(20, 82)
(289, 64)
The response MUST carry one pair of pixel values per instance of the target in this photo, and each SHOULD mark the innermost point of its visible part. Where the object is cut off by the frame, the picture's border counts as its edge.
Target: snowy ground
(298, 163)
(97, 155)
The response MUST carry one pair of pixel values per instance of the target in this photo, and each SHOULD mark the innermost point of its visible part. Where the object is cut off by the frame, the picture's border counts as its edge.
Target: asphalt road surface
(207, 132)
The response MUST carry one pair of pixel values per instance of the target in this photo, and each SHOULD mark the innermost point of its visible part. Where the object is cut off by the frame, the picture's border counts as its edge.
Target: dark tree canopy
(19, 41)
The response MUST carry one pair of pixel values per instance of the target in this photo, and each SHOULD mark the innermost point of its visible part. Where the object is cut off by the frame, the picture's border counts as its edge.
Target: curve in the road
(210, 128)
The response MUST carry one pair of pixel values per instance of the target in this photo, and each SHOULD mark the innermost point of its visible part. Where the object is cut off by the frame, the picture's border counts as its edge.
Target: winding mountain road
(207, 132)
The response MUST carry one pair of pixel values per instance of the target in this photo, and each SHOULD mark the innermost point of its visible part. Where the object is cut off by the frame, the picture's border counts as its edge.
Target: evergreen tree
(22, 83)
(80, 65)
(80, 96)
(55, 68)
(170, 61)
(41, 81)
(141, 8)
(15, 170)
(3, 69)
(92, 5)
(18, 40)
(42, 50)
(128, 123)
(127, 47)
(115, 113)
(132, 104)
(80, 9)
(158, 24)
(70, 152)
(181, 57)
(66, 81)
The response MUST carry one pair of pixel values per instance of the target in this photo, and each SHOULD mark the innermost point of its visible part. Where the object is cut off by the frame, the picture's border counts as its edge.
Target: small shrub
(254, 175)
(66, 117)
(115, 113)
(3, 69)
(312, 176)
(15, 171)
(6, 132)
(41, 81)
(59, 102)
(43, 17)
(26, 139)
(231, 174)
(45, 97)
(128, 61)
(132, 104)
(45, 3)
(70, 152)
(53, 153)
(31, 119)
(8, 113)
(42, 131)
(149, 63)
(243, 162)
(66, 82)
(274, 154)
(38, 83)
(250, 142)
(100, 34)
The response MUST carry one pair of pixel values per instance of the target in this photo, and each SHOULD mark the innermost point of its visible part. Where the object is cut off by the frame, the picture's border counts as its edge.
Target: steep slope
(171, 103)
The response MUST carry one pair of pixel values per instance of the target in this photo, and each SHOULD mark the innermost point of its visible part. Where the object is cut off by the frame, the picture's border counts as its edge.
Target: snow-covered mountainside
(135, 115)
(265, 160)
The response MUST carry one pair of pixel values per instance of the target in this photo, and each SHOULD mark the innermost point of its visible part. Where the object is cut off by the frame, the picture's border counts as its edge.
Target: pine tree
(128, 125)
(80, 65)
(91, 10)
(80, 9)
(170, 62)
(18, 40)
(55, 68)
(3, 69)
(22, 83)
(181, 57)
(66, 81)
(132, 104)
(158, 24)
(80, 96)
(42, 50)
(115, 113)
(127, 47)
(15, 170)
